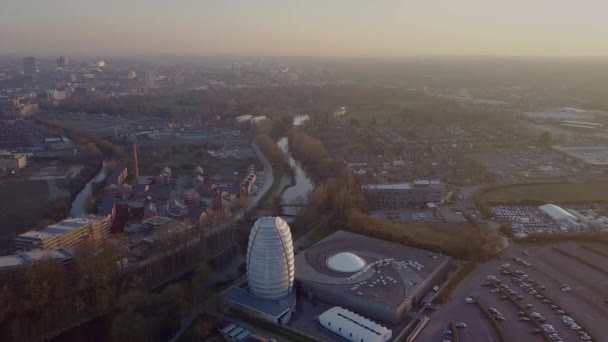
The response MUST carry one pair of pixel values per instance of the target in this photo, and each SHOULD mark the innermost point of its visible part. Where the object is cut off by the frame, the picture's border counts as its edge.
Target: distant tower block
(135, 161)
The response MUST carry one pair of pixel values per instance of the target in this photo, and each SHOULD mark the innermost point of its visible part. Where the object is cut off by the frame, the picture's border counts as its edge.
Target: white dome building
(270, 259)
(346, 262)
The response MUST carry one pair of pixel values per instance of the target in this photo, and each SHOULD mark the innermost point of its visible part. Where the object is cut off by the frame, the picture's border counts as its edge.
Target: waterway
(298, 193)
(80, 201)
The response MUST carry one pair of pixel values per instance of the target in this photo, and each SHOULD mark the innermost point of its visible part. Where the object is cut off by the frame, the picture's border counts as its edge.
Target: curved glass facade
(270, 259)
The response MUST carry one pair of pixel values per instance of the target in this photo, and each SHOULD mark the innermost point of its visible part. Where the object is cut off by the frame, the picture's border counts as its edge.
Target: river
(79, 203)
(298, 193)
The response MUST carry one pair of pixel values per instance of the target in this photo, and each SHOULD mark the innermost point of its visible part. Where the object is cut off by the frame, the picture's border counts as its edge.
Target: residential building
(69, 233)
(12, 161)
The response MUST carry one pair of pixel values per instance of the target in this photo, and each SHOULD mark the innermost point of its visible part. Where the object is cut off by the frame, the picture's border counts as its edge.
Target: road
(479, 328)
(268, 176)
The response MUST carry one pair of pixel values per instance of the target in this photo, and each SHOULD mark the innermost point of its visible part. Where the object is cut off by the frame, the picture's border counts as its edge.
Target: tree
(93, 150)
(505, 230)
(129, 326)
(396, 148)
(373, 121)
(544, 139)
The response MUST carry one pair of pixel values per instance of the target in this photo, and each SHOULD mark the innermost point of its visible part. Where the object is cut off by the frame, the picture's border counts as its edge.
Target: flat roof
(403, 185)
(393, 186)
(61, 228)
(274, 308)
(34, 255)
(392, 274)
(595, 155)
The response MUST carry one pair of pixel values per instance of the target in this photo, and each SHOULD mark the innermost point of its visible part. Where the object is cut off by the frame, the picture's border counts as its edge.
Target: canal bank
(296, 196)
(79, 203)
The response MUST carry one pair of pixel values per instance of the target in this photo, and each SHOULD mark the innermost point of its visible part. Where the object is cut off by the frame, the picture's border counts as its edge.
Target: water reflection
(78, 205)
(298, 193)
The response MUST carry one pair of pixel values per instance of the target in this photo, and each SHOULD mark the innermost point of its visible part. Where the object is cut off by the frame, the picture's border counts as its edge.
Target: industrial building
(589, 157)
(582, 126)
(268, 293)
(353, 327)
(402, 195)
(562, 217)
(69, 233)
(375, 278)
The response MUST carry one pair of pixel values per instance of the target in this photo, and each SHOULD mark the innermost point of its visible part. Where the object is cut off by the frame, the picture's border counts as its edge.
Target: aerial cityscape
(345, 171)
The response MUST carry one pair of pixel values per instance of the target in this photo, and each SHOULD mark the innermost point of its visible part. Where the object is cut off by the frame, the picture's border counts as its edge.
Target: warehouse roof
(556, 213)
(352, 326)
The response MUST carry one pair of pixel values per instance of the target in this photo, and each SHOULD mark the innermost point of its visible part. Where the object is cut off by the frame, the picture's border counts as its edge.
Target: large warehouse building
(588, 157)
(353, 327)
(375, 278)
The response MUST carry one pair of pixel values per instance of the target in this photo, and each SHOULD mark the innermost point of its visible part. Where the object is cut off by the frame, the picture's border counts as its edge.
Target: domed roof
(270, 259)
(345, 262)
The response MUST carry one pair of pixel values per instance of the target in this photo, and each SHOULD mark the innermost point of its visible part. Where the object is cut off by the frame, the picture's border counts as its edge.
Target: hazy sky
(305, 27)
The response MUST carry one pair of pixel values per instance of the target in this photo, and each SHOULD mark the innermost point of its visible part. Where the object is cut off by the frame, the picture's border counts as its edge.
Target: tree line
(338, 192)
(49, 296)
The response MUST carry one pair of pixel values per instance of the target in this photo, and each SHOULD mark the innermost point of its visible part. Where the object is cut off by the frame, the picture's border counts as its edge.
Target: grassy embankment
(543, 193)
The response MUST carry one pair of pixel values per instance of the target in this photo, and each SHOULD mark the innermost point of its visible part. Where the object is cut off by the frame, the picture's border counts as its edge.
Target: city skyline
(338, 29)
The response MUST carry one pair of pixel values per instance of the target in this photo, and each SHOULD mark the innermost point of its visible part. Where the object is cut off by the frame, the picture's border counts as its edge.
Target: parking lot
(410, 215)
(529, 163)
(524, 220)
(561, 292)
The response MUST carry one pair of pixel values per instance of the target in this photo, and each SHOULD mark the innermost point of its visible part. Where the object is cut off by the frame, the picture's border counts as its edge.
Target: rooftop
(34, 255)
(390, 274)
(345, 262)
(595, 155)
(272, 308)
(63, 227)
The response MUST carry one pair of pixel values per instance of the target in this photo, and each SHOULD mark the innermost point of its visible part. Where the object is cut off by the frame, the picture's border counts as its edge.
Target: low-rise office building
(400, 195)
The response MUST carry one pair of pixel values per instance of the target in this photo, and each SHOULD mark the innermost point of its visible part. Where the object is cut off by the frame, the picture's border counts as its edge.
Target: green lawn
(547, 193)
(320, 233)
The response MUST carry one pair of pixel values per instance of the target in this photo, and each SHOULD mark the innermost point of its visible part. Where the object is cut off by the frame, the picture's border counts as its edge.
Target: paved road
(456, 310)
(268, 176)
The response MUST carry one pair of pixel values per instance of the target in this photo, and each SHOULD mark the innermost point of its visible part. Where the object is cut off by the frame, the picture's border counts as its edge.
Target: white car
(461, 325)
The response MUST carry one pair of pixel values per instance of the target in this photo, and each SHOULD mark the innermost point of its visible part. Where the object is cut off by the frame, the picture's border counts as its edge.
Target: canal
(298, 193)
(80, 201)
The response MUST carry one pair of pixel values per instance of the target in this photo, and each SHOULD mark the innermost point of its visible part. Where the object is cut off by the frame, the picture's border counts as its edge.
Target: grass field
(546, 193)
(24, 204)
(321, 233)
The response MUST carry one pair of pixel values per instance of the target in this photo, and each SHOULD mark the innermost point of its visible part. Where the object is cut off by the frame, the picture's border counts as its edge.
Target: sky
(324, 28)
